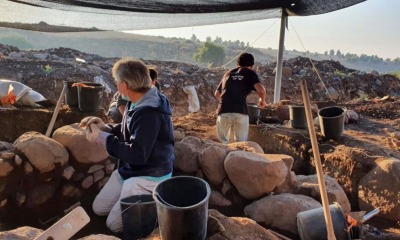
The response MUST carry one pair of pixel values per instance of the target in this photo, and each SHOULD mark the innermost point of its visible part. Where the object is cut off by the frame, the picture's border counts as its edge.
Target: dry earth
(379, 116)
(371, 133)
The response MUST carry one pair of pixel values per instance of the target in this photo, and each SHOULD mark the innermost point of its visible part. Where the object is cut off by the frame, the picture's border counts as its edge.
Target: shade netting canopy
(151, 14)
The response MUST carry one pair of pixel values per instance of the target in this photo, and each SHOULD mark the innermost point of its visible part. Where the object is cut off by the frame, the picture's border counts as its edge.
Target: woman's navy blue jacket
(144, 141)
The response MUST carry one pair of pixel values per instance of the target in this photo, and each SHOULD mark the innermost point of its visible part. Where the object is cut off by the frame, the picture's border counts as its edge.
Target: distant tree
(294, 50)
(247, 44)
(351, 57)
(194, 38)
(396, 74)
(208, 39)
(237, 43)
(364, 58)
(339, 53)
(331, 52)
(218, 40)
(326, 53)
(210, 53)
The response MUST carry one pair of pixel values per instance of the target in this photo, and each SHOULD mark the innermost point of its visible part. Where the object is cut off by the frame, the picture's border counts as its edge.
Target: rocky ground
(374, 97)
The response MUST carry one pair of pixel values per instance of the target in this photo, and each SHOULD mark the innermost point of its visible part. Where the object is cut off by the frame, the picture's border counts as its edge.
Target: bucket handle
(126, 209)
(164, 202)
(131, 205)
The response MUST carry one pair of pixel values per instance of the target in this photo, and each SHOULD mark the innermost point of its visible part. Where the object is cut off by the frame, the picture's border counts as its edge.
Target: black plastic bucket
(331, 120)
(297, 116)
(254, 113)
(182, 208)
(311, 224)
(89, 98)
(71, 94)
(139, 216)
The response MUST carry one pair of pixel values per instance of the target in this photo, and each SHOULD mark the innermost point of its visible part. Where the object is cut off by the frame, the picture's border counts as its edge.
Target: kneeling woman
(143, 142)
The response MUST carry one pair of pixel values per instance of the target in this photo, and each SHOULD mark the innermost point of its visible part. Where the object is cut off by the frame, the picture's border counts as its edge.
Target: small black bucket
(139, 216)
(311, 223)
(297, 116)
(331, 120)
(254, 113)
(71, 94)
(182, 208)
(89, 98)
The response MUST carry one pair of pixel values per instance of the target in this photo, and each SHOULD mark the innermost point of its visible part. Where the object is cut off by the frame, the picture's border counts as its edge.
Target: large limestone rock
(280, 211)
(186, 157)
(192, 140)
(254, 174)
(380, 188)
(217, 199)
(288, 184)
(73, 138)
(22, 233)
(5, 167)
(239, 228)
(42, 152)
(220, 227)
(247, 146)
(99, 237)
(211, 161)
(29, 233)
(308, 185)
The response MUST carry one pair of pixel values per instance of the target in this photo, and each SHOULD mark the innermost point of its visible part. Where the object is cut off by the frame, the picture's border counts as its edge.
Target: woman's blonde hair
(134, 72)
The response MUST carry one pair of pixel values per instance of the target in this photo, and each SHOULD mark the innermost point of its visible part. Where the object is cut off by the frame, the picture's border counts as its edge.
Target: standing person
(231, 93)
(154, 78)
(116, 108)
(118, 102)
(143, 142)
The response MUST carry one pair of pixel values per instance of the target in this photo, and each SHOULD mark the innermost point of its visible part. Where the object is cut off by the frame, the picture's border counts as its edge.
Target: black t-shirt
(234, 87)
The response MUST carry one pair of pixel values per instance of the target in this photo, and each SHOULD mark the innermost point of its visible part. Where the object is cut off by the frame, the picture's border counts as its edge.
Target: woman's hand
(87, 121)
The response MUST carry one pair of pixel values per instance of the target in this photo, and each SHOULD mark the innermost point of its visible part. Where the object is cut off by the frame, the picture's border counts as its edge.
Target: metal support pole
(278, 73)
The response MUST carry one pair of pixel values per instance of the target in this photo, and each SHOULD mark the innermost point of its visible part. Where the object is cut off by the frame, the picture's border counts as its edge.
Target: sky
(371, 27)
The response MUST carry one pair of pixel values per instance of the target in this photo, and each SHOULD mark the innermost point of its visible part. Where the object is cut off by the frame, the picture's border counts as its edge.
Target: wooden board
(67, 226)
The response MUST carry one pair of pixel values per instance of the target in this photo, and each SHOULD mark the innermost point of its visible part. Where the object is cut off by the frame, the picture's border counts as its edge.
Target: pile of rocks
(45, 70)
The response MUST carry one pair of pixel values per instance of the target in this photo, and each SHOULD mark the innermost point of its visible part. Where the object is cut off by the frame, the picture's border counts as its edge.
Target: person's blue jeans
(237, 123)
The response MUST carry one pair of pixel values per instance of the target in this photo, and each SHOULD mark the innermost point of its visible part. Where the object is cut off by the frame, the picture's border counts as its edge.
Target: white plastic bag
(19, 88)
(193, 99)
(23, 93)
(30, 98)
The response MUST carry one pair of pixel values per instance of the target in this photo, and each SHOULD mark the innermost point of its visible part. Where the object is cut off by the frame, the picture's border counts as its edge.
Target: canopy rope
(308, 56)
(250, 45)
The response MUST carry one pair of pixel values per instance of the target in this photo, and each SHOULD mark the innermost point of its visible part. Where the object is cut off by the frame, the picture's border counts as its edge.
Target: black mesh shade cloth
(151, 14)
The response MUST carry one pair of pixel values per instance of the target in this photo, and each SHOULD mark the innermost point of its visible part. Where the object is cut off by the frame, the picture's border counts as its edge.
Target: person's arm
(217, 94)
(121, 109)
(262, 94)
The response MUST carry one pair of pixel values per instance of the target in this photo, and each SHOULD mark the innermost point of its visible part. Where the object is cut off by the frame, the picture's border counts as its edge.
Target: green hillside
(118, 44)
